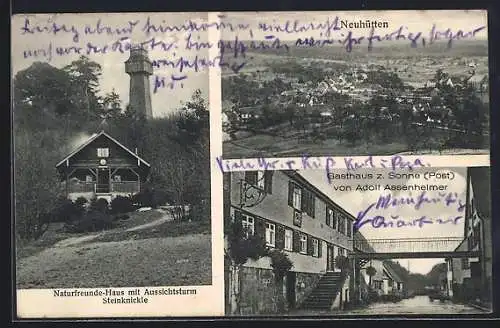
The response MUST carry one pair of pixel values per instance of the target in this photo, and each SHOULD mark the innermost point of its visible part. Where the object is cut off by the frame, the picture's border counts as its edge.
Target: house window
(335, 220)
(341, 224)
(248, 224)
(303, 244)
(315, 244)
(102, 152)
(349, 228)
(260, 179)
(341, 252)
(465, 263)
(297, 198)
(377, 284)
(308, 203)
(270, 234)
(88, 178)
(288, 239)
(329, 217)
(391, 283)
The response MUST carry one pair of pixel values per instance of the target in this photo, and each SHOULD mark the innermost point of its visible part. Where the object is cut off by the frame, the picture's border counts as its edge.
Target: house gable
(87, 152)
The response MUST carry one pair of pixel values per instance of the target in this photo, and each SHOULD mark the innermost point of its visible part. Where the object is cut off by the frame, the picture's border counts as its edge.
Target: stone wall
(258, 286)
(305, 284)
(257, 291)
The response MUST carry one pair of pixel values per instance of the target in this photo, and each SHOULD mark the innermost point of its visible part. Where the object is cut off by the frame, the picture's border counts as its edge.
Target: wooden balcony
(130, 187)
(82, 187)
(125, 187)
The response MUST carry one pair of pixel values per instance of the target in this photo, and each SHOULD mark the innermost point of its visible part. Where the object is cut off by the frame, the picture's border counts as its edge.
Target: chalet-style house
(102, 168)
(469, 279)
(292, 215)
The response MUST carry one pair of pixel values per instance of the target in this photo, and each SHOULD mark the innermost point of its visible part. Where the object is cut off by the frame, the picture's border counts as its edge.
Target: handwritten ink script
(327, 164)
(388, 202)
(179, 50)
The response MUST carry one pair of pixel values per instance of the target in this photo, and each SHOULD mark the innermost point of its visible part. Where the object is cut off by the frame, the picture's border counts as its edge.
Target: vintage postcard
(111, 133)
(251, 163)
(356, 83)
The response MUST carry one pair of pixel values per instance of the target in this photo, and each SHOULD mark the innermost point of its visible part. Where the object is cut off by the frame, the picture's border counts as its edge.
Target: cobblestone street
(416, 305)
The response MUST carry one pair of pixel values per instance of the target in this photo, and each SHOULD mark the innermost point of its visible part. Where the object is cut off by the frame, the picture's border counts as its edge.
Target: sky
(356, 201)
(165, 100)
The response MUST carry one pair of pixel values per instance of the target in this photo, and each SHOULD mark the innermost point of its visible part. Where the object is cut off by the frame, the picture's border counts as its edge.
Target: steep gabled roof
(94, 137)
(391, 272)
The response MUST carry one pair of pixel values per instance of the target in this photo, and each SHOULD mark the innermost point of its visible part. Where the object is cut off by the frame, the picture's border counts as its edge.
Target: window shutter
(268, 182)
(313, 198)
(260, 228)
(320, 247)
(290, 193)
(280, 236)
(251, 177)
(237, 217)
(303, 200)
(310, 247)
(296, 241)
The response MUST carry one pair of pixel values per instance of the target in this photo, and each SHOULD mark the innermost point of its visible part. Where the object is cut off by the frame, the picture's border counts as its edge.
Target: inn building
(294, 216)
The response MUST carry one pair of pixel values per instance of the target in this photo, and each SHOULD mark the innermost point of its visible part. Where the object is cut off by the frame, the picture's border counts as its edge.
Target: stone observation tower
(139, 67)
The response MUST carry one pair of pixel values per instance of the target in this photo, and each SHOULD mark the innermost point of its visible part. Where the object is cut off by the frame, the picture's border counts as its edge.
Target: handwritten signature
(385, 202)
(306, 162)
(379, 221)
(389, 201)
(233, 53)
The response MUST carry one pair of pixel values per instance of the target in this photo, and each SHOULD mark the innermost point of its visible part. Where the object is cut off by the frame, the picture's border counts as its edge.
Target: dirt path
(155, 223)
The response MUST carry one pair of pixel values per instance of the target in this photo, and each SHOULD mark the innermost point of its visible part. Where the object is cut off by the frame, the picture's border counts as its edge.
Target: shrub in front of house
(149, 197)
(100, 205)
(120, 205)
(65, 210)
(92, 221)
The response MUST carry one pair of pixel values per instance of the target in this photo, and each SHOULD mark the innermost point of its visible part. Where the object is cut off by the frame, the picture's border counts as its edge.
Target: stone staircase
(323, 296)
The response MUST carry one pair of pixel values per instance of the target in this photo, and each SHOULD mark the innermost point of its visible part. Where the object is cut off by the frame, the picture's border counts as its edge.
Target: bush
(65, 210)
(150, 198)
(92, 221)
(99, 205)
(122, 204)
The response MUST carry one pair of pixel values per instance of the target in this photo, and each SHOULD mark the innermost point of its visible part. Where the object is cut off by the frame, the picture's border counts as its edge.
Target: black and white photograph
(355, 83)
(368, 242)
(111, 153)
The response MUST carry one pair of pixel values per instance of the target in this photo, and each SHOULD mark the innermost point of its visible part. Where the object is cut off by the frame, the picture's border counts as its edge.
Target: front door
(335, 255)
(329, 257)
(102, 181)
(290, 289)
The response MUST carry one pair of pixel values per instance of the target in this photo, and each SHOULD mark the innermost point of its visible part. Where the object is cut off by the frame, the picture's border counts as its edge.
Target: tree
(242, 246)
(41, 91)
(111, 104)
(371, 271)
(85, 75)
(281, 264)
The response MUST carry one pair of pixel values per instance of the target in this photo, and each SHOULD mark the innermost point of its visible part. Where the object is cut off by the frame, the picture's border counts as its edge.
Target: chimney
(139, 67)
(136, 150)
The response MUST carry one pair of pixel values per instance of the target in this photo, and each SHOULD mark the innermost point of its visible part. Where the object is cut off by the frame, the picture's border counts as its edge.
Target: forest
(56, 109)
